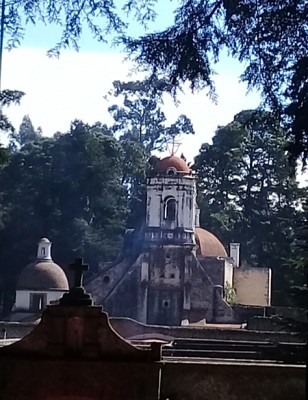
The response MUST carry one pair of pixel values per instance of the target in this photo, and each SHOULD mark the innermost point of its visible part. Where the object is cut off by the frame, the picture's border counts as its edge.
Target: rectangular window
(37, 301)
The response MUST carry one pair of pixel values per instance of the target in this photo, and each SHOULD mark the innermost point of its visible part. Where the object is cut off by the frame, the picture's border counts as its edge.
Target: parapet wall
(130, 329)
(75, 354)
(242, 381)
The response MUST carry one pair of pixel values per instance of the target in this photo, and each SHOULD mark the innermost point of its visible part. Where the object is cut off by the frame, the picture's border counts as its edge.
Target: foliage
(270, 37)
(297, 110)
(7, 98)
(74, 189)
(100, 17)
(140, 118)
(4, 156)
(135, 165)
(82, 189)
(25, 134)
(230, 293)
(248, 193)
(141, 127)
(298, 262)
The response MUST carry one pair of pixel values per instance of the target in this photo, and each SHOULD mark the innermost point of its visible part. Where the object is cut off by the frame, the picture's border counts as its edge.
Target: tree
(248, 192)
(270, 37)
(141, 127)
(25, 134)
(100, 17)
(4, 156)
(94, 205)
(141, 119)
(298, 262)
(135, 166)
(7, 98)
(297, 110)
(69, 188)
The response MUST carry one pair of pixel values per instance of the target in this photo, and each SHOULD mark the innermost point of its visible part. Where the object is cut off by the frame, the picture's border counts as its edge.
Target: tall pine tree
(248, 192)
(25, 134)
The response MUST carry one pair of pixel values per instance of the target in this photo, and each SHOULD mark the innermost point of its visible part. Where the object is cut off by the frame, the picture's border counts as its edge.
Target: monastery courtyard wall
(175, 380)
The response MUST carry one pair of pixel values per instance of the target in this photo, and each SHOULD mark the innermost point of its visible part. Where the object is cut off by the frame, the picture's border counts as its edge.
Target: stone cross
(78, 267)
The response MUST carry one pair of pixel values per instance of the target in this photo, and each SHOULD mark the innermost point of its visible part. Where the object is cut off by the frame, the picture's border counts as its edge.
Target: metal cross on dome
(173, 146)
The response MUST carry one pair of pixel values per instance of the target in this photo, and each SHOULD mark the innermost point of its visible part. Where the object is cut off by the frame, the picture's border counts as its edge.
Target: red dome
(172, 162)
(208, 244)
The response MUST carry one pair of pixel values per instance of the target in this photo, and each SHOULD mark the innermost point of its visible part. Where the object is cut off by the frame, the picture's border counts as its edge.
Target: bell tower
(169, 241)
(171, 203)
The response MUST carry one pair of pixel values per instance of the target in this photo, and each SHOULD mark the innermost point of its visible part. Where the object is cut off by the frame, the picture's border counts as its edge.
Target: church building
(41, 283)
(173, 272)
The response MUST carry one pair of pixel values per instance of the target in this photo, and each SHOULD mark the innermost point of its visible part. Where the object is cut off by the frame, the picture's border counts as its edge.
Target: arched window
(43, 251)
(169, 208)
(171, 171)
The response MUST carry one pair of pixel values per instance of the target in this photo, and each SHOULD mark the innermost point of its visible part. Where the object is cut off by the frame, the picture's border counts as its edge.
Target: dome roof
(42, 275)
(208, 244)
(172, 162)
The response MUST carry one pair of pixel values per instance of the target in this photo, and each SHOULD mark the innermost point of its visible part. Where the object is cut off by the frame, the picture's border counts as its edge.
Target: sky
(59, 90)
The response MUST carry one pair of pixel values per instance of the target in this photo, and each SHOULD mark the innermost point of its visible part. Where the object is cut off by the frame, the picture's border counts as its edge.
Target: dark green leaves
(140, 118)
(70, 189)
(25, 134)
(269, 37)
(7, 98)
(297, 110)
(248, 193)
(101, 18)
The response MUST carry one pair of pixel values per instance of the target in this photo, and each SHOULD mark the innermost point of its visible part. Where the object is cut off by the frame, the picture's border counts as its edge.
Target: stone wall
(117, 288)
(182, 189)
(214, 268)
(51, 380)
(130, 329)
(86, 380)
(75, 354)
(36, 379)
(245, 313)
(252, 286)
(15, 330)
(73, 379)
(242, 381)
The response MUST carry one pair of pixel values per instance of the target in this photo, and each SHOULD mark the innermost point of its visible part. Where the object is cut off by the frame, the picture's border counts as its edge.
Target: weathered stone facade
(178, 272)
(172, 272)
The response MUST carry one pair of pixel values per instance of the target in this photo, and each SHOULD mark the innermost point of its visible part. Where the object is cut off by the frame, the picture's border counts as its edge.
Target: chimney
(235, 253)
